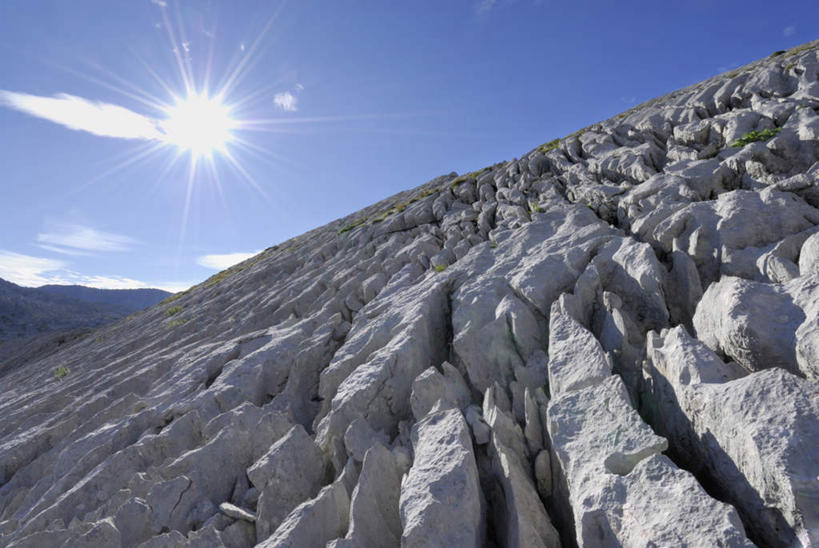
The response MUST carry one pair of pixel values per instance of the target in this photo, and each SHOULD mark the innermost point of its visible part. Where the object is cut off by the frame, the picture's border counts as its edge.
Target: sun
(199, 124)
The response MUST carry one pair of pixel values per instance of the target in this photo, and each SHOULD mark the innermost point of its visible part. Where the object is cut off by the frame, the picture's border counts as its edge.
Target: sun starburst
(199, 124)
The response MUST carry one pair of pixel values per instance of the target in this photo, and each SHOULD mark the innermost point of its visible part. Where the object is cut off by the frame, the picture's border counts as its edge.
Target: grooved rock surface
(612, 340)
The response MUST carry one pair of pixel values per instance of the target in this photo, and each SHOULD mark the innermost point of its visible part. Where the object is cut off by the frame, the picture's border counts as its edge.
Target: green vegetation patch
(61, 372)
(800, 49)
(440, 268)
(551, 145)
(754, 136)
(554, 143)
(353, 225)
(401, 206)
(173, 310)
(175, 323)
(235, 269)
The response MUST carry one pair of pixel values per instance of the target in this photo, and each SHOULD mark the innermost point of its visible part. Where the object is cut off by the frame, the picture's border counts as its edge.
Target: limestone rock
(753, 434)
(440, 496)
(374, 515)
(576, 358)
(608, 456)
(289, 473)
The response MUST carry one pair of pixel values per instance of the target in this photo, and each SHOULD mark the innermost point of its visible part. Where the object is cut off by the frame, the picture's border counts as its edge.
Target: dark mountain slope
(26, 311)
(126, 300)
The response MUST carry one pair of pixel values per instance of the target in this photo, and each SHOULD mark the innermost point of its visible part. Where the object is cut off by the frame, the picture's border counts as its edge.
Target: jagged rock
(754, 434)
(315, 522)
(761, 325)
(576, 358)
(289, 473)
(525, 521)
(374, 515)
(608, 457)
(440, 496)
(431, 387)
(809, 256)
(359, 437)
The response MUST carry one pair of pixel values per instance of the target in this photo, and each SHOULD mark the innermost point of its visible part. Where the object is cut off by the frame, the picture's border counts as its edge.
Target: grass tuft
(755, 136)
(61, 372)
(440, 268)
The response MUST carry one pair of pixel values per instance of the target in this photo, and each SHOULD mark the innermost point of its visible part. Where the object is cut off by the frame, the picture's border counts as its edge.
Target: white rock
(289, 473)
(233, 511)
(430, 387)
(314, 522)
(748, 433)
(374, 515)
(526, 522)
(440, 496)
(576, 359)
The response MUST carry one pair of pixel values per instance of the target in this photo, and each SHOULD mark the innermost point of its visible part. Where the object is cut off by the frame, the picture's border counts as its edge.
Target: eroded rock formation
(613, 340)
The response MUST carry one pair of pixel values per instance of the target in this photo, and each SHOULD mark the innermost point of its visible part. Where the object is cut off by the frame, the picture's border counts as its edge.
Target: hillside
(126, 300)
(612, 340)
(26, 311)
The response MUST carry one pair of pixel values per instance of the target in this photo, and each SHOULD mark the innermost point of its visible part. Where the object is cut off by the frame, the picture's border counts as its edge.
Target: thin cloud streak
(30, 271)
(72, 238)
(484, 6)
(102, 119)
(789, 31)
(63, 251)
(224, 260)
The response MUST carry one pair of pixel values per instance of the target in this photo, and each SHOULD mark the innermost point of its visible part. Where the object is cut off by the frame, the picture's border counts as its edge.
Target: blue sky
(335, 105)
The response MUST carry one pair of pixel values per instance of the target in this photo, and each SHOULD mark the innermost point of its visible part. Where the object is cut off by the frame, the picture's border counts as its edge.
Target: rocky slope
(613, 340)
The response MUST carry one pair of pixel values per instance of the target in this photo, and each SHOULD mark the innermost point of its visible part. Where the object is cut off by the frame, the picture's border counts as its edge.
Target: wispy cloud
(103, 119)
(160, 3)
(27, 270)
(30, 271)
(286, 101)
(118, 282)
(223, 261)
(73, 239)
(789, 31)
(485, 6)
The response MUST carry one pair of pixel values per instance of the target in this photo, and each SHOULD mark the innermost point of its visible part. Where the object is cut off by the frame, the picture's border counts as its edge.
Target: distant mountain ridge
(129, 300)
(26, 311)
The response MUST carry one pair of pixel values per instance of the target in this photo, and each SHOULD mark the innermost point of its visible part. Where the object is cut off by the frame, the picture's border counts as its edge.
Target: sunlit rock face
(612, 340)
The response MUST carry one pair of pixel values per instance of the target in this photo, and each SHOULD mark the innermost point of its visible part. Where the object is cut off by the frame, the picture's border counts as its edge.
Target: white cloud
(160, 3)
(119, 282)
(286, 101)
(103, 119)
(72, 239)
(789, 31)
(27, 270)
(223, 261)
